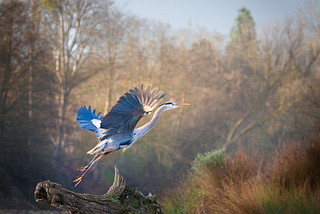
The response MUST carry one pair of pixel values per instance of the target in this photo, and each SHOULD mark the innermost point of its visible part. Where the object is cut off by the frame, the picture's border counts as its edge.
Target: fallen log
(118, 199)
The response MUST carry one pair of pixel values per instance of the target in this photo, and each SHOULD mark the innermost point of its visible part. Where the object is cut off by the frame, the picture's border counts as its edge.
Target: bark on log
(119, 199)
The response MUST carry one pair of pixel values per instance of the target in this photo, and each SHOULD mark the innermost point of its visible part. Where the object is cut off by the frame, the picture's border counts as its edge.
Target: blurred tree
(264, 72)
(24, 63)
(136, 48)
(12, 15)
(72, 27)
(308, 19)
(33, 40)
(244, 29)
(242, 46)
(111, 37)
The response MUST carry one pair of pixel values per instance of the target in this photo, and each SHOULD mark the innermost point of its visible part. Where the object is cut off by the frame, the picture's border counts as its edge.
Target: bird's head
(172, 105)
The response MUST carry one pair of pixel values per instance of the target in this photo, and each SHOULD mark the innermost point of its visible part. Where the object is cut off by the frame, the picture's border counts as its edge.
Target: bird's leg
(84, 168)
(92, 162)
(88, 167)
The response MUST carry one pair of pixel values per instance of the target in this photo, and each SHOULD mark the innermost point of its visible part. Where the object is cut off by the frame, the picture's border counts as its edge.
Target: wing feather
(141, 94)
(156, 99)
(146, 94)
(129, 109)
(151, 95)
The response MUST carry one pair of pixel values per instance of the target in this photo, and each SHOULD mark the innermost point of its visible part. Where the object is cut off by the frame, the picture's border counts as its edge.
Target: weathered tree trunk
(119, 199)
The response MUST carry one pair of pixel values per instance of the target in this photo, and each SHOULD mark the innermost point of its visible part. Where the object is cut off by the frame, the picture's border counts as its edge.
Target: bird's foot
(77, 181)
(83, 169)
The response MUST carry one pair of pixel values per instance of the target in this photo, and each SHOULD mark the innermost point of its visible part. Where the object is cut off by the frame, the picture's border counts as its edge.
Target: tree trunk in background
(110, 90)
(60, 141)
(33, 39)
(5, 89)
(61, 135)
(30, 94)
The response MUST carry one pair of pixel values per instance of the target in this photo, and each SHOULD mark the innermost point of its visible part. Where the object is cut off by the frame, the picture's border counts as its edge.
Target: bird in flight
(116, 130)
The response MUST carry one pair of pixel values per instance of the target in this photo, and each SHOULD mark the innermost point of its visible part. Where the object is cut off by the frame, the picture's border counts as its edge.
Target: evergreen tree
(244, 29)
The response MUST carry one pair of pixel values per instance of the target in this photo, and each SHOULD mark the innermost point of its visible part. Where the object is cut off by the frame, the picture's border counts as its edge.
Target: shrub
(209, 159)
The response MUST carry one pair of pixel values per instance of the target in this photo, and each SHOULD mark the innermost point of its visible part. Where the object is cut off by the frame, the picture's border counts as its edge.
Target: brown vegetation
(288, 182)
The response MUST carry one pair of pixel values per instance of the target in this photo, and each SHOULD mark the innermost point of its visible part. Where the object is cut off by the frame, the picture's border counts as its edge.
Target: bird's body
(117, 129)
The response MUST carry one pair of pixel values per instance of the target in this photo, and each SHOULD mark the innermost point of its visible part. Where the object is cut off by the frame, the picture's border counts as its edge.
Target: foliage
(214, 158)
(244, 29)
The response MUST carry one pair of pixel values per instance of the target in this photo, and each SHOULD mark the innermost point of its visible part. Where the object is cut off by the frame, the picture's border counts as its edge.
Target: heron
(116, 130)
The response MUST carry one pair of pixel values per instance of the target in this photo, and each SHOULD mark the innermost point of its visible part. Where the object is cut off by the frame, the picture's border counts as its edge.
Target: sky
(212, 15)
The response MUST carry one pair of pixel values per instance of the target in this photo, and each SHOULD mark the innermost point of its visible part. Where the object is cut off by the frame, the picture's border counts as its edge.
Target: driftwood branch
(119, 199)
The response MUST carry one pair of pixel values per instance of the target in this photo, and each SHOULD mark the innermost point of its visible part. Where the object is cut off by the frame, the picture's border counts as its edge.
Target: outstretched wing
(133, 105)
(88, 119)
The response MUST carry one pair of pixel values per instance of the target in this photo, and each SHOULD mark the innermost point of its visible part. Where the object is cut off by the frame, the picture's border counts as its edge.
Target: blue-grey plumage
(117, 130)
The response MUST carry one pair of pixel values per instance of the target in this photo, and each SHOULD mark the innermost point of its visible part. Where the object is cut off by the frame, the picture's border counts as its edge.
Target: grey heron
(116, 130)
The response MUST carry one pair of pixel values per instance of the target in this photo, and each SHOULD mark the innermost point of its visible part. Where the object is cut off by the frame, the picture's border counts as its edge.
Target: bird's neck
(141, 131)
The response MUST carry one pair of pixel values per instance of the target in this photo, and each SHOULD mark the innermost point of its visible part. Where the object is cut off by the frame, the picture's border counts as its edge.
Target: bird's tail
(98, 148)
(88, 120)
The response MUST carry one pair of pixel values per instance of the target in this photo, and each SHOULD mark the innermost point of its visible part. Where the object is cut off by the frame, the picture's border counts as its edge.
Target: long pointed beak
(183, 104)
